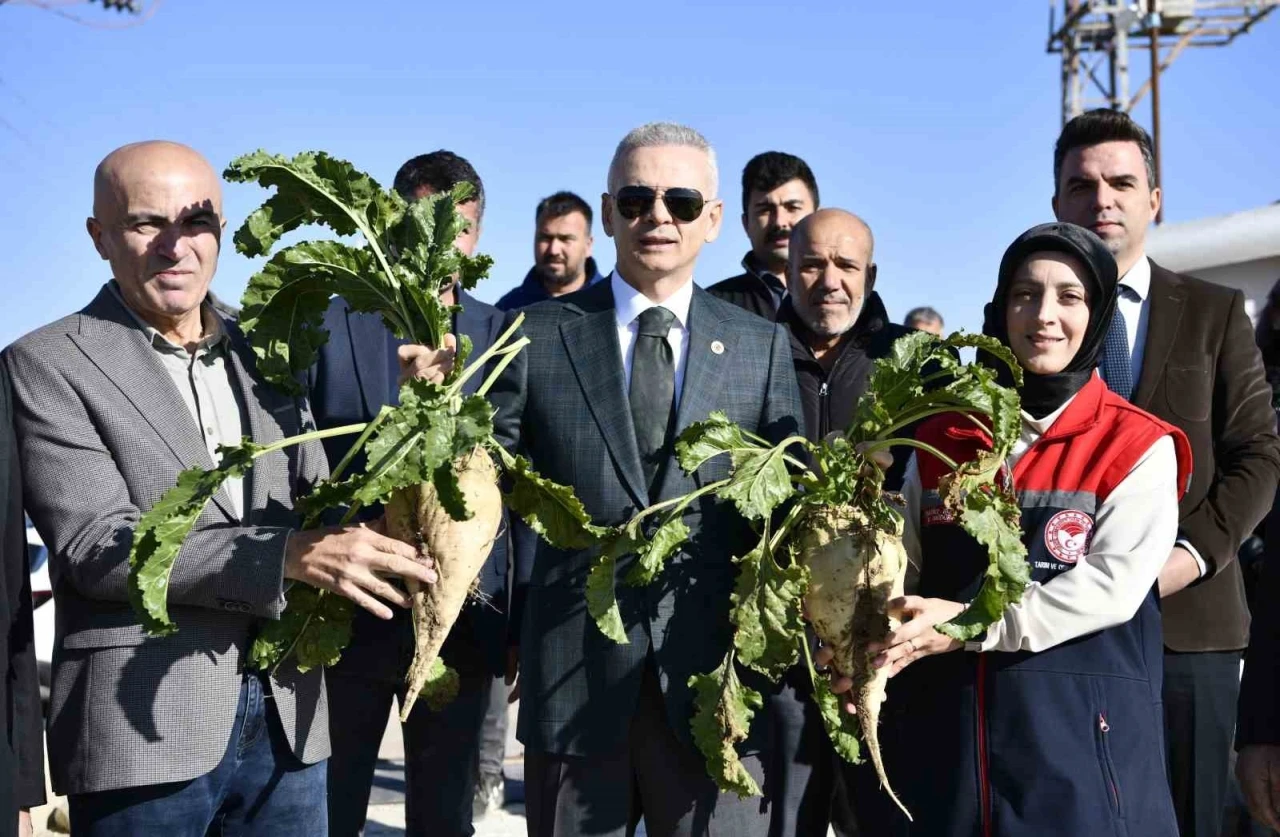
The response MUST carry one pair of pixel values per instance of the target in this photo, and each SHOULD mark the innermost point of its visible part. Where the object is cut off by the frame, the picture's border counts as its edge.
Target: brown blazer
(1202, 372)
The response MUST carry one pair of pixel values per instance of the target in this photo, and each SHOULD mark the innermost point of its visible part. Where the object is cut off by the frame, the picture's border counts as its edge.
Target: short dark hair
(561, 204)
(1098, 126)
(766, 172)
(438, 171)
(923, 312)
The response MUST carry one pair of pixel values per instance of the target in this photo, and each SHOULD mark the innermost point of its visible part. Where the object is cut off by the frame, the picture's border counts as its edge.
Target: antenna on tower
(1096, 36)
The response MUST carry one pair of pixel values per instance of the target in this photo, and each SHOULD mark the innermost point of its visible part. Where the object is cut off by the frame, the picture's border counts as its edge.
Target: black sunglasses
(685, 205)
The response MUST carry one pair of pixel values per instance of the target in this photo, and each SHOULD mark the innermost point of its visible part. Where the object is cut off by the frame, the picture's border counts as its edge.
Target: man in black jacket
(838, 328)
(778, 190)
(838, 325)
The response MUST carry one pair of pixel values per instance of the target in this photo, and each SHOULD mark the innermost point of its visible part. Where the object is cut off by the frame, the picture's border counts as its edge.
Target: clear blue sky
(934, 124)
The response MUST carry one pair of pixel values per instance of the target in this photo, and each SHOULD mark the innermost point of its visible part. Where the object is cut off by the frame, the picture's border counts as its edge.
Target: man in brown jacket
(1183, 350)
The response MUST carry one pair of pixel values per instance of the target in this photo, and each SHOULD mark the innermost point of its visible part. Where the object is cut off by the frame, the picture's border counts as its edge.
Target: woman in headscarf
(1050, 723)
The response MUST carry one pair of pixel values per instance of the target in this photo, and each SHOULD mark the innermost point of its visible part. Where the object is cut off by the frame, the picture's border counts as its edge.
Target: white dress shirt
(1132, 537)
(629, 304)
(1137, 313)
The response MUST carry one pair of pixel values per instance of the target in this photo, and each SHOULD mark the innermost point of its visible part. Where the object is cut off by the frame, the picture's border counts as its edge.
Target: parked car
(42, 602)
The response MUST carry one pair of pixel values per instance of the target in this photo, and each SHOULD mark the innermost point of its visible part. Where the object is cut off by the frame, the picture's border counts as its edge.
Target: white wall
(1254, 278)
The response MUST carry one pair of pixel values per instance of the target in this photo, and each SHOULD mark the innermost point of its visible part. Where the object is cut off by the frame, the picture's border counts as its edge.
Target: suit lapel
(591, 342)
(119, 349)
(370, 355)
(705, 371)
(1168, 296)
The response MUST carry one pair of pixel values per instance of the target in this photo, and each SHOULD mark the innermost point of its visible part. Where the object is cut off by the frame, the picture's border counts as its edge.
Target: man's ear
(606, 214)
(715, 216)
(871, 280)
(95, 232)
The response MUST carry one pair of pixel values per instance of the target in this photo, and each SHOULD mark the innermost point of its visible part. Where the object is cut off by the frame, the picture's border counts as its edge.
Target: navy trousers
(442, 752)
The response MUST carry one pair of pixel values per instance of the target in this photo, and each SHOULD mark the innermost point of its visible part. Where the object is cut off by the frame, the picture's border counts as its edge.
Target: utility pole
(1153, 27)
(1096, 32)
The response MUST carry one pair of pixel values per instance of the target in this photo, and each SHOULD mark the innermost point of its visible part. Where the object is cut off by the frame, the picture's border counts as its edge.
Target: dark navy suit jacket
(353, 378)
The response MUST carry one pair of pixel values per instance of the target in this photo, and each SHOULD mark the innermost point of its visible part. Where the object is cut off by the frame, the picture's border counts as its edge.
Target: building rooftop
(1246, 236)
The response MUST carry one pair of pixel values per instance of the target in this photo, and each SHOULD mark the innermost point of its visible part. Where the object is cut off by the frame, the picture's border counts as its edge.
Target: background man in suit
(22, 758)
(562, 261)
(1183, 350)
(778, 189)
(356, 375)
(612, 375)
(169, 736)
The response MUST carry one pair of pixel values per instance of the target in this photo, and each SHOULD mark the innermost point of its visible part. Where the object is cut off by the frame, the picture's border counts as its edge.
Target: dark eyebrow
(200, 215)
(1080, 179)
(135, 218)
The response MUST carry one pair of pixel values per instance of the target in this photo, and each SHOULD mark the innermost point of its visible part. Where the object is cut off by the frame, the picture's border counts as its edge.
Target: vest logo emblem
(937, 516)
(1066, 535)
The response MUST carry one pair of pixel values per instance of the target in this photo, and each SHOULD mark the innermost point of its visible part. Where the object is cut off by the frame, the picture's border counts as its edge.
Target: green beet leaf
(653, 553)
(413, 440)
(704, 440)
(161, 530)
(549, 508)
(760, 480)
(991, 516)
(723, 709)
(766, 610)
(315, 627)
(312, 188)
(449, 491)
(441, 687)
(321, 643)
(602, 600)
(283, 306)
(842, 727)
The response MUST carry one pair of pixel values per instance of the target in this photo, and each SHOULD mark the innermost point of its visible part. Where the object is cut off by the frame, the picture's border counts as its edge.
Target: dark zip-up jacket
(532, 290)
(830, 396)
(751, 290)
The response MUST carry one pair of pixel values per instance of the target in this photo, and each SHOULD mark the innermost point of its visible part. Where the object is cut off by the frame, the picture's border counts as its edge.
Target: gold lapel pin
(717, 348)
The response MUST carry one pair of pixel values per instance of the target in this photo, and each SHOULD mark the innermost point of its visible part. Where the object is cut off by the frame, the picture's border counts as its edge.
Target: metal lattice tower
(1095, 39)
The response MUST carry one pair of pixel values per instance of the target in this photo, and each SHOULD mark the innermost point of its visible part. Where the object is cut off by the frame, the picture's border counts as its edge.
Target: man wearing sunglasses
(613, 373)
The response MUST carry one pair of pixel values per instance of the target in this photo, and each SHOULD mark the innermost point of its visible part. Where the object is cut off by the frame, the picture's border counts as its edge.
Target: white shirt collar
(1138, 279)
(628, 303)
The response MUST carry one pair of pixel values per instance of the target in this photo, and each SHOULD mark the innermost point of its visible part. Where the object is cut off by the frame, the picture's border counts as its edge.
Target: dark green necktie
(653, 389)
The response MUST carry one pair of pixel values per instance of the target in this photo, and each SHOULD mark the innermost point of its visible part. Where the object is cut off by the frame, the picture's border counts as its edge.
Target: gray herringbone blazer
(564, 404)
(103, 433)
